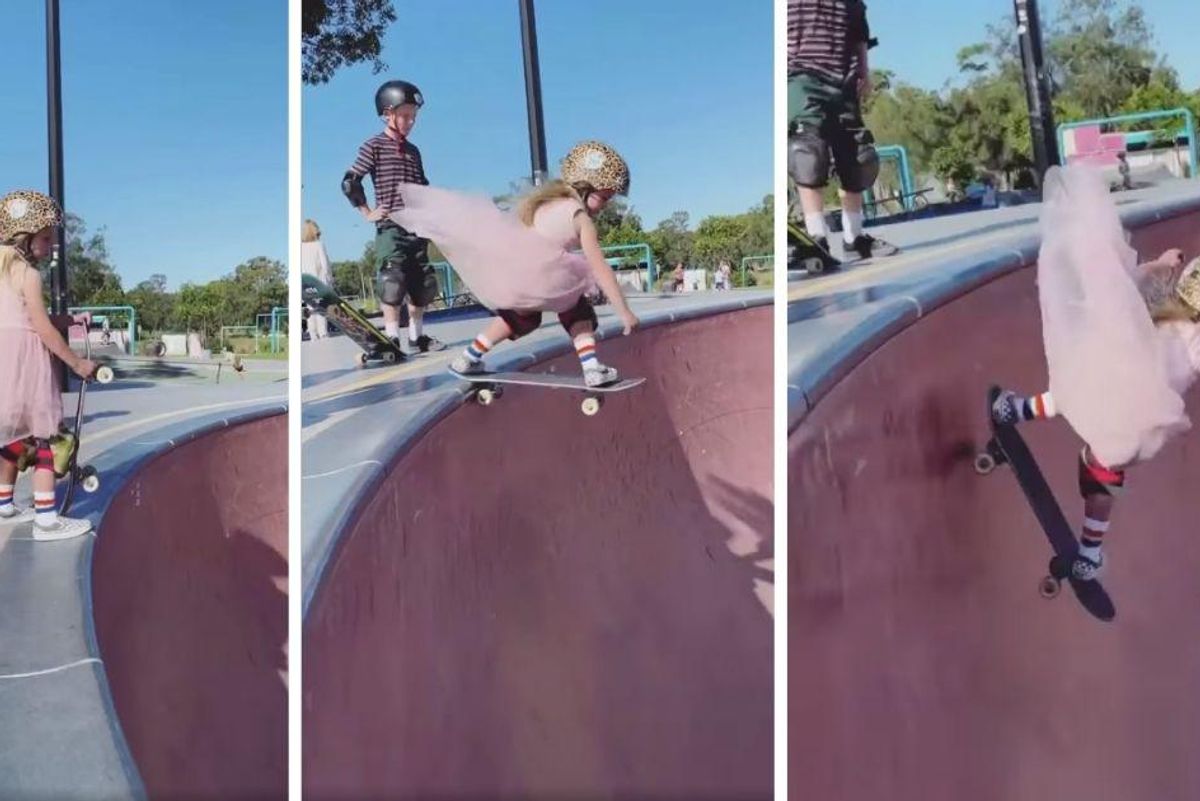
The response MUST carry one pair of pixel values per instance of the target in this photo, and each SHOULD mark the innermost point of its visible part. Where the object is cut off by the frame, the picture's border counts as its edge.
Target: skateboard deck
(805, 254)
(1006, 446)
(65, 446)
(490, 386)
(320, 298)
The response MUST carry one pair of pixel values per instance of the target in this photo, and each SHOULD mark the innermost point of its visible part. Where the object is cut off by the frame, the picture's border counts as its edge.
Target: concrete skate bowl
(532, 604)
(189, 590)
(923, 664)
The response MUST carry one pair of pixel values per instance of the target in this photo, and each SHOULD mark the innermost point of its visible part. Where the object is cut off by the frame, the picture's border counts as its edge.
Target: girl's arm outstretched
(590, 241)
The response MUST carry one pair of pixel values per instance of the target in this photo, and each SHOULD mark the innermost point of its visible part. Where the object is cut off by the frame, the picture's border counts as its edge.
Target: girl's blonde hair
(10, 256)
(310, 232)
(541, 195)
(1172, 310)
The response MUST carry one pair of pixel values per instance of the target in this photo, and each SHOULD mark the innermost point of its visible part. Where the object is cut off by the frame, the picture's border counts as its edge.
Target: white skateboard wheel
(984, 464)
(104, 374)
(486, 397)
(590, 406)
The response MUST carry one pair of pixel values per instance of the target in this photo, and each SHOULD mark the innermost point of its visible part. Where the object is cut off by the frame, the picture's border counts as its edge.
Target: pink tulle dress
(30, 403)
(1115, 377)
(507, 264)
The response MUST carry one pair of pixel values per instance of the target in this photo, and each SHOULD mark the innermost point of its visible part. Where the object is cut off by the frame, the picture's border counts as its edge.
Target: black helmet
(397, 93)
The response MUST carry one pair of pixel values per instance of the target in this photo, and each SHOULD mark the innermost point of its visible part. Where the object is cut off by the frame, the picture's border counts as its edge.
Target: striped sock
(585, 347)
(478, 349)
(43, 505)
(6, 499)
(1038, 407)
(1092, 538)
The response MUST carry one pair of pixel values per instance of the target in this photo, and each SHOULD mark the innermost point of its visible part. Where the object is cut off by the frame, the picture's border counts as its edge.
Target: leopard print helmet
(598, 166)
(1188, 288)
(27, 212)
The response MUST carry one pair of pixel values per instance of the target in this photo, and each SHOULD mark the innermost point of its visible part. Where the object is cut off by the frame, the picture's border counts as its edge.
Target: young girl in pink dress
(30, 403)
(521, 264)
(1120, 357)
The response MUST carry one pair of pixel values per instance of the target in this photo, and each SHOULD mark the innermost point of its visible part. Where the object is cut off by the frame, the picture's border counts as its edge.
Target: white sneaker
(63, 528)
(1085, 569)
(16, 515)
(600, 375)
(1004, 410)
(465, 366)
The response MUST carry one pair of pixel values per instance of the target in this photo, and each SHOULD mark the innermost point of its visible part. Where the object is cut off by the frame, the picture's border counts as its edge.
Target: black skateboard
(1007, 447)
(320, 298)
(804, 253)
(490, 386)
(66, 445)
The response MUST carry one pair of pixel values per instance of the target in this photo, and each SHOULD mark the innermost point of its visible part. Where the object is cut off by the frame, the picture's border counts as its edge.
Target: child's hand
(1172, 258)
(84, 368)
(630, 320)
(376, 215)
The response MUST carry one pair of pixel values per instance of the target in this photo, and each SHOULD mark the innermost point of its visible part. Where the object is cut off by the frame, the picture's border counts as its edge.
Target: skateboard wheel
(485, 397)
(590, 406)
(1049, 587)
(361, 358)
(89, 479)
(984, 463)
(814, 266)
(104, 374)
(389, 357)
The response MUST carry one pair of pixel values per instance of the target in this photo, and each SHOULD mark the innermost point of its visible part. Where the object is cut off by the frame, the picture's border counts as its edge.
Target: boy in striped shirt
(400, 256)
(828, 78)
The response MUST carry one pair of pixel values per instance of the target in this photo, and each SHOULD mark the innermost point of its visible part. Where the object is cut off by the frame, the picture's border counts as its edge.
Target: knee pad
(13, 452)
(392, 285)
(1096, 479)
(861, 171)
(808, 158)
(423, 287)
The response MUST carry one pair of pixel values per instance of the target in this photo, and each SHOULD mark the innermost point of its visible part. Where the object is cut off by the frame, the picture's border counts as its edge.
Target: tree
(671, 240)
(155, 307)
(1100, 56)
(91, 280)
(349, 277)
(339, 33)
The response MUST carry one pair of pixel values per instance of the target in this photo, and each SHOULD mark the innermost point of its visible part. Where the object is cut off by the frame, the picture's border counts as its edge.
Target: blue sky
(683, 88)
(175, 128)
(919, 41)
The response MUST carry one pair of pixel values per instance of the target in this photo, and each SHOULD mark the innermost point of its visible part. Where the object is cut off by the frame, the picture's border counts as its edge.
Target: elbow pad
(352, 188)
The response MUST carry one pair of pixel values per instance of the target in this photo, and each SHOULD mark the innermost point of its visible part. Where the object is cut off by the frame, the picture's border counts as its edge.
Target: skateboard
(320, 298)
(490, 386)
(1007, 447)
(805, 254)
(66, 444)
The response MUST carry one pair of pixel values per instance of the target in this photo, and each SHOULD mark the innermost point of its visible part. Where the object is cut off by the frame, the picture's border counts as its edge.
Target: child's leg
(498, 330)
(43, 485)
(1010, 408)
(580, 322)
(47, 525)
(1097, 485)
(8, 477)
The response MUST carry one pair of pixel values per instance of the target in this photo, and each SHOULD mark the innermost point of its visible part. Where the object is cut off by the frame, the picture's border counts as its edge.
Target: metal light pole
(58, 264)
(533, 92)
(1037, 87)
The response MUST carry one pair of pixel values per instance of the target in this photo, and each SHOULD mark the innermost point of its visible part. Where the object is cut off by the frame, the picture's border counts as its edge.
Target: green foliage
(340, 33)
(1101, 63)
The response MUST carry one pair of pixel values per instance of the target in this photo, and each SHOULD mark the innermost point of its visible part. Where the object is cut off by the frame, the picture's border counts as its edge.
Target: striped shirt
(389, 163)
(824, 37)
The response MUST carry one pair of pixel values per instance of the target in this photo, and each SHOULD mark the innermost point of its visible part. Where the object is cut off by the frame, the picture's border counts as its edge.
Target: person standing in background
(315, 261)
